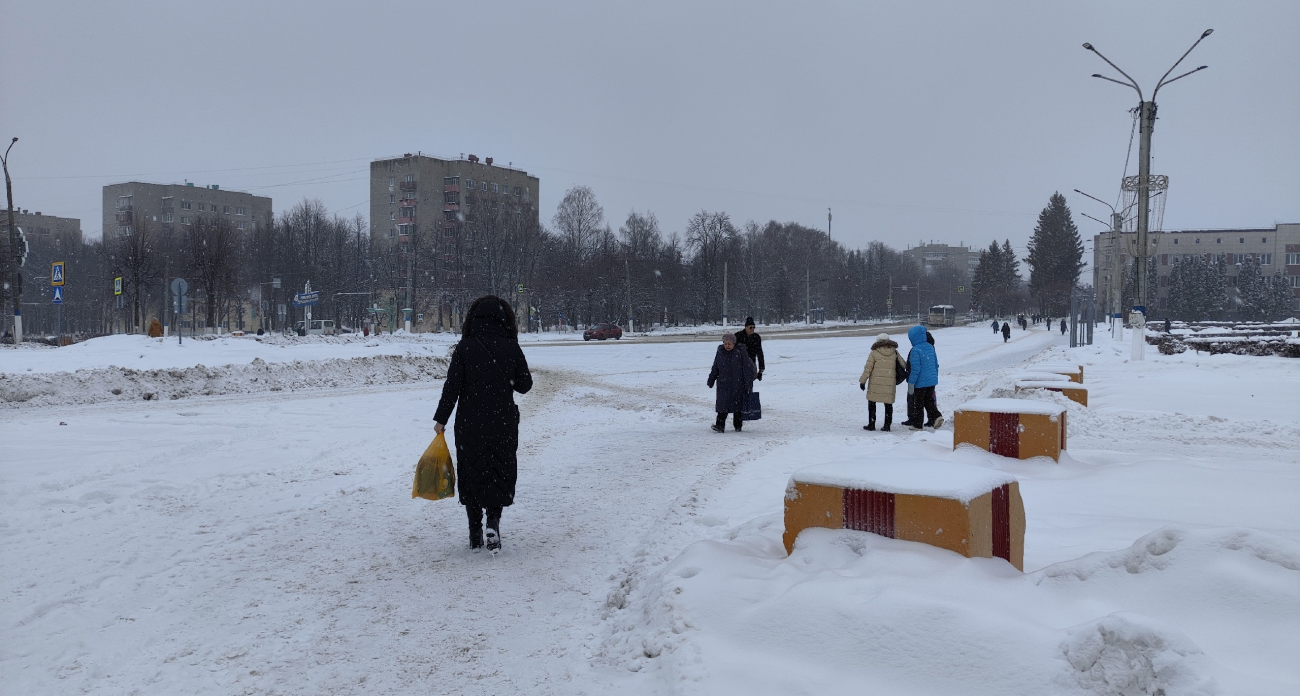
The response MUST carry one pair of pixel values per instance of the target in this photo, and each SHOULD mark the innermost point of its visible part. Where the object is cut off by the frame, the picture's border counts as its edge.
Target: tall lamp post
(16, 279)
(1147, 120)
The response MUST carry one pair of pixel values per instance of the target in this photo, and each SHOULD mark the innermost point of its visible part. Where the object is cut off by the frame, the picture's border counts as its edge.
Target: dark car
(601, 332)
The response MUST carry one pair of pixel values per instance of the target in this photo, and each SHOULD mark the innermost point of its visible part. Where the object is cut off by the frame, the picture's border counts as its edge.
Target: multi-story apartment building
(948, 270)
(1276, 248)
(932, 256)
(430, 217)
(50, 238)
(169, 207)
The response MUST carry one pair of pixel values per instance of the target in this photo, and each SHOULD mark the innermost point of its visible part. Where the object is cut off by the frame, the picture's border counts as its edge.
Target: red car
(601, 332)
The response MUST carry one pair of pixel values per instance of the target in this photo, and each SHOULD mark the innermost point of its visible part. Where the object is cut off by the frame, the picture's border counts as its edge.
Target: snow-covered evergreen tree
(1278, 300)
(1197, 290)
(1055, 257)
(1251, 290)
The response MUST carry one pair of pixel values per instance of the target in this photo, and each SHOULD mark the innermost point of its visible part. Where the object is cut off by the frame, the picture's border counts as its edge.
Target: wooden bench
(1074, 392)
(1017, 428)
(971, 510)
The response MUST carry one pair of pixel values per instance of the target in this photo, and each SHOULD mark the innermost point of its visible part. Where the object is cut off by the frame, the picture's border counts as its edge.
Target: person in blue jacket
(921, 381)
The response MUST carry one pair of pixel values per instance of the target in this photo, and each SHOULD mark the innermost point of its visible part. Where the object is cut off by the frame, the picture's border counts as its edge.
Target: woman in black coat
(486, 368)
(733, 371)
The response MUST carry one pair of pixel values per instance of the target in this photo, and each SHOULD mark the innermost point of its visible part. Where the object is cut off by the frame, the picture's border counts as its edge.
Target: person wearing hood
(733, 372)
(879, 380)
(1006, 332)
(995, 326)
(486, 368)
(749, 339)
(921, 381)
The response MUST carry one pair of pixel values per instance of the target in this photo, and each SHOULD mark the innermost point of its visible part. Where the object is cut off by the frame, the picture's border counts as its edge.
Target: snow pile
(1132, 655)
(855, 612)
(91, 386)
(902, 476)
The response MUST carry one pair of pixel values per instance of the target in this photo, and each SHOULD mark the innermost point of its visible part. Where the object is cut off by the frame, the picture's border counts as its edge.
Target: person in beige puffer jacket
(878, 380)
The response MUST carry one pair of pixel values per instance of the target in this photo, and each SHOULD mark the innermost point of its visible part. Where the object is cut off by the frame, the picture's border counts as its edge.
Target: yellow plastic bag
(435, 475)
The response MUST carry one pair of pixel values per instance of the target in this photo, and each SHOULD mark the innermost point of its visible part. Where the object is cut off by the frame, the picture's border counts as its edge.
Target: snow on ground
(266, 544)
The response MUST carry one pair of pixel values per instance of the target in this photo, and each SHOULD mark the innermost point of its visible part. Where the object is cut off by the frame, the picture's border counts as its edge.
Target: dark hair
(488, 311)
(749, 321)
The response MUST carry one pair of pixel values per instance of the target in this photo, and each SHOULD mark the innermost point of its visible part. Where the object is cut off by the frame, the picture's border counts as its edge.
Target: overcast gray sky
(945, 121)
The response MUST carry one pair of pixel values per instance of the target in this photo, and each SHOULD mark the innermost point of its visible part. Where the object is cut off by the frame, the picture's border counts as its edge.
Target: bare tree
(135, 253)
(212, 256)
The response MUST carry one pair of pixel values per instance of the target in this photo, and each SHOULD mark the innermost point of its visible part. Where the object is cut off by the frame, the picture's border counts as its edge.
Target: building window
(1175, 240)
(240, 210)
(409, 178)
(225, 209)
(1198, 240)
(167, 217)
(392, 215)
(469, 184)
(1293, 259)
(123, 202)
(1295, 281)
(495, 188)
(186, 205)
(1218, 240)
(42, 230)
(1266, 259)
(450, 180)
(392, 183)
(517, 192)
(1264, 240)
(392, 231)
(1241, 240)
(404, 230)
(241, 225)
(185, 219)
(408, 211)
(392, 199)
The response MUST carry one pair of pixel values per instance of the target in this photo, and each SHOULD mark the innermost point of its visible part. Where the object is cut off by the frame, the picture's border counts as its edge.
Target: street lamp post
(1113, 272)
(1147, 122)
(16, 279)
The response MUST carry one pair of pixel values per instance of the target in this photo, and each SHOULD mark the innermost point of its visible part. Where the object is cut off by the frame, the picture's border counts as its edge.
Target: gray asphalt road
(768, 333)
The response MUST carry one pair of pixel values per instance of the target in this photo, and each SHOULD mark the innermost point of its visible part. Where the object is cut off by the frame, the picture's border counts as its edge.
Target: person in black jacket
(753, 344)
(1006, 332)
(733, 372)
(486, 368)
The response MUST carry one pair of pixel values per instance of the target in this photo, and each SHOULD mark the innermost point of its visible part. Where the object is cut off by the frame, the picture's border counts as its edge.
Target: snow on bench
(1074, 371)
(971, 510)
(1074, 392)
(1017, 428)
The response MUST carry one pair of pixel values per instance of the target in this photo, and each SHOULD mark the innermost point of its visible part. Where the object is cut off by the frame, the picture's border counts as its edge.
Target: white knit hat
(882, 337)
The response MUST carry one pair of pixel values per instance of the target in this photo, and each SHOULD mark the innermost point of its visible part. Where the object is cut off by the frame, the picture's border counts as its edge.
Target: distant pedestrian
(486, 367)
(922, 378)
(1167, 324)
(1006, 332)
(753, 344)
(733, 372)
(995, 326)
(1062, 327)
(879, 380)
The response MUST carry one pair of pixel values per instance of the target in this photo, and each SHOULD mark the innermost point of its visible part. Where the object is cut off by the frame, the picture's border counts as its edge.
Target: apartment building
(932, 256)
(432, 214)
(1276, 248)
(169, 207)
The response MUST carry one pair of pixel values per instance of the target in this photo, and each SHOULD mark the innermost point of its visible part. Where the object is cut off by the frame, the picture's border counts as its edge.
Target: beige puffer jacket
(879, 374)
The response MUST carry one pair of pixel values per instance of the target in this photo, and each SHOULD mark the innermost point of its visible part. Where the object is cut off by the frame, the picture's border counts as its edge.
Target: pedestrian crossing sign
(58, 295)
(56, 273)
(117, 285)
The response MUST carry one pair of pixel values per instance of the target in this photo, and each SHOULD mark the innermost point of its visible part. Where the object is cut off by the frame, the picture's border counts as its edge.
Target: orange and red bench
(971, 510)
(1017, 428)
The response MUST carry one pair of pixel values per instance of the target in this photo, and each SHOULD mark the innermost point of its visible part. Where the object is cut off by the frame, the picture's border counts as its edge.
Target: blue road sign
(58, 295)
(56, 273)
(304, 299)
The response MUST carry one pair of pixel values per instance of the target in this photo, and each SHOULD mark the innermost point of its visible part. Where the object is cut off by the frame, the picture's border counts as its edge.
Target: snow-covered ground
(265, 543)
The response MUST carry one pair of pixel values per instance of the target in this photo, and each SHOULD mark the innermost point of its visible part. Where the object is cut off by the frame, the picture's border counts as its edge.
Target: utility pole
(16, 277)
(724, 293)
(828, 223)
(410, 288)
(807, 290)
(627, 279)
(1146, 124)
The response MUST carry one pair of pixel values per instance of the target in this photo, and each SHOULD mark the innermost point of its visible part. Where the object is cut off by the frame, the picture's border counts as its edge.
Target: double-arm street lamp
(1147, 119)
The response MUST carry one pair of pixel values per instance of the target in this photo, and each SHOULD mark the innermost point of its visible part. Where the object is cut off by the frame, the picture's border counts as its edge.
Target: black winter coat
(485, 369)
(753, 343)
(733, 372)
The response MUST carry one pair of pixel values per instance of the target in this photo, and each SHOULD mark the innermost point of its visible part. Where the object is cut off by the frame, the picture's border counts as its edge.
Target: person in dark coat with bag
(753, 344)
(733, 372)
(487, 367)
(1006, 332)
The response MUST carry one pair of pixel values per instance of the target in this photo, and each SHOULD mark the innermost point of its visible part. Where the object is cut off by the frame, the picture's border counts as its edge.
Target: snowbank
(92, 386)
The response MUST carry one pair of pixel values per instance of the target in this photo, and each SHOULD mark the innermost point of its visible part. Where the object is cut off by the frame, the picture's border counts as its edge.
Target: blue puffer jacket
(922, 360)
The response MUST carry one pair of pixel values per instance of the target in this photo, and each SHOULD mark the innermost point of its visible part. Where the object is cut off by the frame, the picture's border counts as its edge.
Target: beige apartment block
(168, 208)
(429, 217)
(1276, 248)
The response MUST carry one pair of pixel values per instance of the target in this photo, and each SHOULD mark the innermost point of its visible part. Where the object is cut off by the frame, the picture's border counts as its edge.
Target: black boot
(475, 515)
(721, 423)
(737, 421)
(871, 416)
(494, 530)
(889, 417)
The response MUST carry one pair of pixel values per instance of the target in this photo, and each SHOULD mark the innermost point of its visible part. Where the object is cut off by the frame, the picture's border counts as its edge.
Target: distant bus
(942, 315)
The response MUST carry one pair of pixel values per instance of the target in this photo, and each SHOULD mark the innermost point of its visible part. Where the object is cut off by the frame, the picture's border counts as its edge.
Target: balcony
(451, 188)
(450, 207)
(406, 220)
(407, 185)
(124, 216)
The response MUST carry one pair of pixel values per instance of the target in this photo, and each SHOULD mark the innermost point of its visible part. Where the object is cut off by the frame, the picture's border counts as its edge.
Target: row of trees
(1055, 262)
(1199, 290)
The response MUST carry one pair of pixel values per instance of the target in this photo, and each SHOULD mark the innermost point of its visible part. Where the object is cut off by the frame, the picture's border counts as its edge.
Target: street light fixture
(1147, 116)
